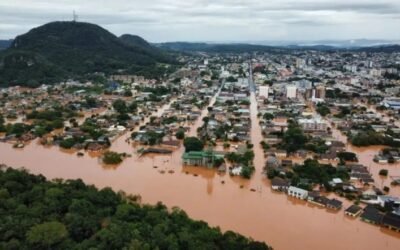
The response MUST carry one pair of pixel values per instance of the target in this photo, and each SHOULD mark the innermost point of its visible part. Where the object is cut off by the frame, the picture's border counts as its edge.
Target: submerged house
(391, 221)
(353, 211)
(202, 158)
(298, 192)
(372, 215)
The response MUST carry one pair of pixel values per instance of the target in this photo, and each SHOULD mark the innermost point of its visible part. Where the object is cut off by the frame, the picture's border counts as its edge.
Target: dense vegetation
(111, 157)
(39, 214)
(311, 173)
(370, 137)
(193, 144)
(60, 50)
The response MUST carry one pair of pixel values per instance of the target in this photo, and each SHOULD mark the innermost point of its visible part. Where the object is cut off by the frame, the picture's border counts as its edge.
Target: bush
(383, 172)
(111, 157)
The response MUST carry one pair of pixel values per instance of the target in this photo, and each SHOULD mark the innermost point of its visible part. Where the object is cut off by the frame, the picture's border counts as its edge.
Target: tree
(347, 156)
(383, 172)
(128, 93)
(294, 138)
(268, 116)
(323, 110)
(47, 234)
(193, 144)
(180, 134)
(101, 219)
(111, 157)
(120, 106)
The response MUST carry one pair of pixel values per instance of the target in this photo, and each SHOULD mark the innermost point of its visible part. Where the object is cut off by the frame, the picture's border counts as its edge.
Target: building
(320, 92)
(264, 91)
(314, 124)
(279, 184)
(353, 211)
(334, 204)
(372, 215)
(291, 91)
(391, 221)
(201, 158)
(393, 103)
(300, 63)
(298, 192)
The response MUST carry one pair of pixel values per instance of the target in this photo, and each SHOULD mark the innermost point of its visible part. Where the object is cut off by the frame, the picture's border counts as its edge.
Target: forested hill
(59, 50)
(39, 214)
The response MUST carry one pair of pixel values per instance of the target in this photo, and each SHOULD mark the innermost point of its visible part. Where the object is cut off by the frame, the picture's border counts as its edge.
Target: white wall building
(264, 91)
(298, 192)
(291, 91)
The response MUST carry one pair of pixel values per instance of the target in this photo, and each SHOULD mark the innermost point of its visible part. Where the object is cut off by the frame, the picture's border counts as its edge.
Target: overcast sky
(214, 20)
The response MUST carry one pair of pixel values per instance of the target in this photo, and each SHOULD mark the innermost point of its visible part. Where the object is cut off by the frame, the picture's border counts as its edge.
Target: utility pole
(74, 16)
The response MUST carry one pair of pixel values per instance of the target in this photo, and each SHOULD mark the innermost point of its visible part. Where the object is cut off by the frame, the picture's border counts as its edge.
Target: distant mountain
(60, 50)
(311, 47)
(217, 48)
(243, 47)
(381, 49)
(5, 44)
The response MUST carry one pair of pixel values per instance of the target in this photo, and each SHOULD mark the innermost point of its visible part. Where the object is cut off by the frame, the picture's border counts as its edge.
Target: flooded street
(283, 222)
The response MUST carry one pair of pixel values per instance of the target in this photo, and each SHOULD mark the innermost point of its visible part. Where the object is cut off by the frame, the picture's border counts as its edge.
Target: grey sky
(217, 20)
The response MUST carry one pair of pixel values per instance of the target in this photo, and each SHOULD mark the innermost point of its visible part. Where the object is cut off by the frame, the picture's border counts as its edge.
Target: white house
(298, 192)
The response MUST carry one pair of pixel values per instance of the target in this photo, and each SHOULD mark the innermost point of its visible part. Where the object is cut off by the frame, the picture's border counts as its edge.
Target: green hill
(61, 50)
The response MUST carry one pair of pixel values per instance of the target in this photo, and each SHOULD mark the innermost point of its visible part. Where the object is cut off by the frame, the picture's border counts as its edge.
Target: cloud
(214, 20)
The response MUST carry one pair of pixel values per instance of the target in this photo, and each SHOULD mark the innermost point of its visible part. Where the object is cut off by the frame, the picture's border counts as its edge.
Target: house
(353, 211)
(279, 184)
(312, 195)
(334, 204)
(391, 221)
(372, 215)
(298, 192)
(319, 200)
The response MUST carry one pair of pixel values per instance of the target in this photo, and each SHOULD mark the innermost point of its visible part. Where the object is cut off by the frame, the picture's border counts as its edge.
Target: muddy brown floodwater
(283, 222)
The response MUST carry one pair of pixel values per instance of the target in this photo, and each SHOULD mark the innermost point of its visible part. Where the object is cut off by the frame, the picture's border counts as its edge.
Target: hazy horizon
(215, 21)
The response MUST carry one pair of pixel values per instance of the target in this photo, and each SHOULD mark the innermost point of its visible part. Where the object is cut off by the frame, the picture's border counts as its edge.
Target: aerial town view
(231, 127)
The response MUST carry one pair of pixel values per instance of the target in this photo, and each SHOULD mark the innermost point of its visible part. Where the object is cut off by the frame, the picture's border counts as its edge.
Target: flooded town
(299, 149)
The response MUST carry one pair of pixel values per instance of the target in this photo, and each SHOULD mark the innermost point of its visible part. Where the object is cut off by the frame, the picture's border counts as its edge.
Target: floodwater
(221, 200)
(365, 156)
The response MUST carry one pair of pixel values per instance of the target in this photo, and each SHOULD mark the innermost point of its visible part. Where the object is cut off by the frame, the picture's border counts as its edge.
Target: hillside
(67, 49)
(39, 214)
(142, 45)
